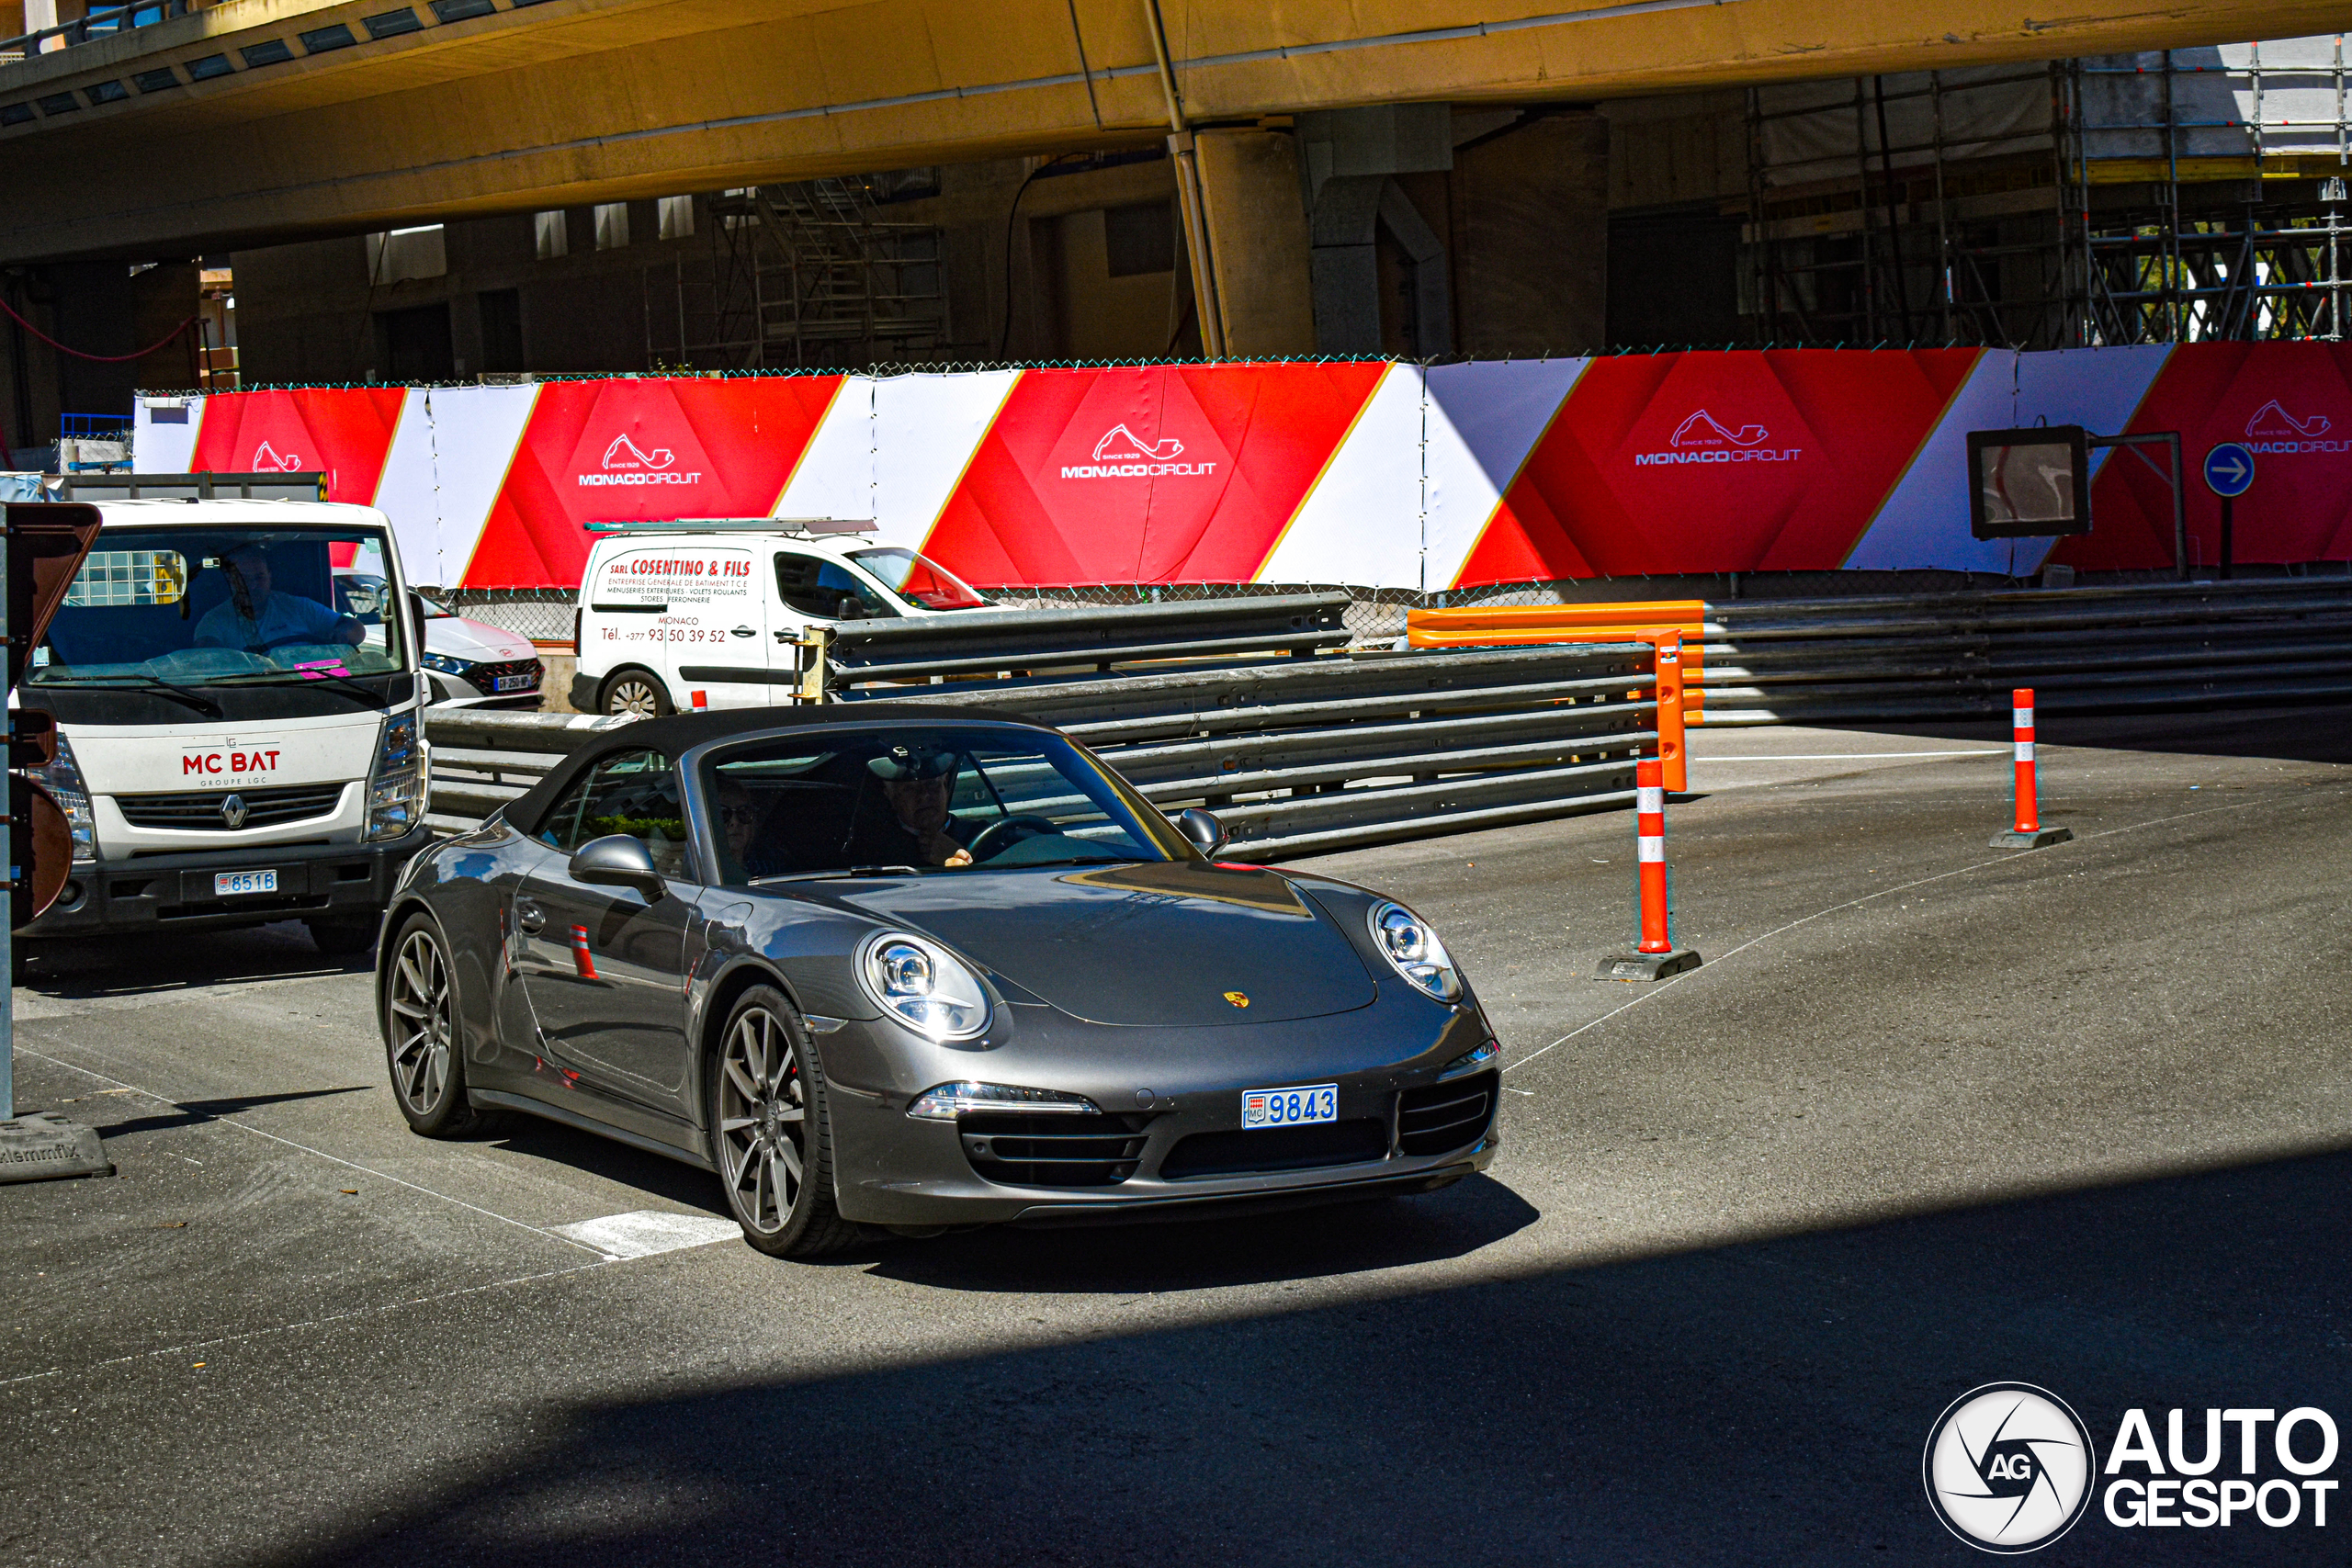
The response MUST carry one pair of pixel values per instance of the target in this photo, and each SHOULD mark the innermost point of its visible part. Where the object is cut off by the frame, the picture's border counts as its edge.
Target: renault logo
(232, 812)
(1237, 998)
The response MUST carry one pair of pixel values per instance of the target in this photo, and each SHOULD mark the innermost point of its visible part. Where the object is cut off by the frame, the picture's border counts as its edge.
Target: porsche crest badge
(1238, 999)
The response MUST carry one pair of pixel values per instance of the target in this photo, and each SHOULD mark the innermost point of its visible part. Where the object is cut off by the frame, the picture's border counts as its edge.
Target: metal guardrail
(1955, 656)
(1295, 756)
(866, 656)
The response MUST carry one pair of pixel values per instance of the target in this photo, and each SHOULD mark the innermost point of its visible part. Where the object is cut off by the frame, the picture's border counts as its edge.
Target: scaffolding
(2172, 197)
(809, 274)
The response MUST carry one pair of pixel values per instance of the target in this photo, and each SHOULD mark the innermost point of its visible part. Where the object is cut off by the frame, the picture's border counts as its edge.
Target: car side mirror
(1206, 833)
(617, 860)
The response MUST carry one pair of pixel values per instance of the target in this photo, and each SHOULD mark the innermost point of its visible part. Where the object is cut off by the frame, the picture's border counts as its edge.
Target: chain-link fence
(544, 614)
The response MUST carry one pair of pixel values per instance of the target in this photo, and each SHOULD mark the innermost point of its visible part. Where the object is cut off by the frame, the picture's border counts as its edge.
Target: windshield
(236, 605)
(922, 799)
(364, 594)
(910, 576)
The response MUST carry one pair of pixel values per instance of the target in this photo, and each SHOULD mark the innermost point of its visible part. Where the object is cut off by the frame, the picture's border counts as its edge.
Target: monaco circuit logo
(1119, 446)
(627, 463)
(2273, 429)
(1123, 455)
(267, 460)
(1704, 439)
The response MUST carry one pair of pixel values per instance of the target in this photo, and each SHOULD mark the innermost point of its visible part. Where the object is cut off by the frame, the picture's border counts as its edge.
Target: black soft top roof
(680, 733)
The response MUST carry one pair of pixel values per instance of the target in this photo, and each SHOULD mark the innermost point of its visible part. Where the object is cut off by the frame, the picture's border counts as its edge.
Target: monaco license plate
(229, 884)
(517, 682)
(1289, 1106)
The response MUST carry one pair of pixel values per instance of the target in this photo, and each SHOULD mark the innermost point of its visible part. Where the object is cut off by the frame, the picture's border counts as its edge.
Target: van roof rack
(805, 526)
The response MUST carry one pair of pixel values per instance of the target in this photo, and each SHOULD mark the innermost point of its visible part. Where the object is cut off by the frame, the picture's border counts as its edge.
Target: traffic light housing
(47, 542)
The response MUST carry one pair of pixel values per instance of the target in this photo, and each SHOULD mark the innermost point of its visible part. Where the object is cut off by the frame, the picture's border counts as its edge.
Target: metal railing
(1295, 755)
(1952, 656)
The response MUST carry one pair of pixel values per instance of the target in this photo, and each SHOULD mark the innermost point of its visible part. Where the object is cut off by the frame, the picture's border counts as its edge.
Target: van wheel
(634, 691)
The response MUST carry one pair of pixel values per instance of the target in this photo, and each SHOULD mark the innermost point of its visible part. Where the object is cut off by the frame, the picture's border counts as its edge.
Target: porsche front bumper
(1180, 1158)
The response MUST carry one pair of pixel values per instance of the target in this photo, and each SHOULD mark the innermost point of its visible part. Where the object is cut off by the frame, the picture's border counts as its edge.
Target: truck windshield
(910, 576)
(223, 606)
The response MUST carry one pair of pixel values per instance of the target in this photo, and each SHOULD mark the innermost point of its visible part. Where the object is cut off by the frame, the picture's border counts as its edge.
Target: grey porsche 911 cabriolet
(894, 965)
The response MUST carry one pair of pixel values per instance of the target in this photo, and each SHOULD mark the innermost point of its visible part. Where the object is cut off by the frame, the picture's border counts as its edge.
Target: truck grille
(199, 810)
(1445, 1116)
(1026, 1149)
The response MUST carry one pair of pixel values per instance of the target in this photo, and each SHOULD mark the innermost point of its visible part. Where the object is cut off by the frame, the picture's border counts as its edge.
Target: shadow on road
(139, 966)
(1752, 1402)
(1206, 1254)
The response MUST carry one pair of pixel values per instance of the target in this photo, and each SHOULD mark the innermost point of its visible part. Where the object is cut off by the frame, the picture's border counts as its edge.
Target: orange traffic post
(1654, 956)
(2028, 833)
(1669, 654)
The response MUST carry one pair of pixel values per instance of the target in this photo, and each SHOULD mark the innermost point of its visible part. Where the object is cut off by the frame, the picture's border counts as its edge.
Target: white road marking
(1702, 758)
(194, 1344)
(1663, 986)
(648, 1231)
(336, 1159)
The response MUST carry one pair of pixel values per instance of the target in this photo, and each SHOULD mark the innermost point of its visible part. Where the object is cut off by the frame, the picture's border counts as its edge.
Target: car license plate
(228, 884)
(517, 682)
(1289, 1106)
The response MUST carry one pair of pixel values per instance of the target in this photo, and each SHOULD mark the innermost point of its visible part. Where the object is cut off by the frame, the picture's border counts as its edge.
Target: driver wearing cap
(917, 784)
(256, 617)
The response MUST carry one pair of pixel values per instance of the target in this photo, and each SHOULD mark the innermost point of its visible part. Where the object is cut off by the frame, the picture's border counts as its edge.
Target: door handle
(528, 917)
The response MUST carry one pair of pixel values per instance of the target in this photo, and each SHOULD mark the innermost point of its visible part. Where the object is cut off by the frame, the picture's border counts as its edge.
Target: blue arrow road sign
(2229, 469)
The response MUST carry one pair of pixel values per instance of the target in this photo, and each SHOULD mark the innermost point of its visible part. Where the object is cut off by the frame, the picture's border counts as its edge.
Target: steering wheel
(996, 836)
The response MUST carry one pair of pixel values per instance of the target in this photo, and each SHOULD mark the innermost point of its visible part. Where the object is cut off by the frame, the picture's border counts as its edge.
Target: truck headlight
(61, 776)
(396, 783)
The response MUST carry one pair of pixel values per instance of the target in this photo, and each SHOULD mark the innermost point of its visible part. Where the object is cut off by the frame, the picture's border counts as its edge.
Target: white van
(705, 613)
(235, 745)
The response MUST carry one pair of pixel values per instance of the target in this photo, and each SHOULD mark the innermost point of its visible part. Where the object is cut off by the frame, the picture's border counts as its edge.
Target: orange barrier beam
(1658, 621)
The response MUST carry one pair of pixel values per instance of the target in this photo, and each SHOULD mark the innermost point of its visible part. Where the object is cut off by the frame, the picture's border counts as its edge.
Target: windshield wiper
(842, 873)
(303, 678)
(196, 700)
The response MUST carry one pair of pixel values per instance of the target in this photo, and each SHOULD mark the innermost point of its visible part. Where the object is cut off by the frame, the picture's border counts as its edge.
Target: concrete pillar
(1256, 227)
(1352, 158)
(1531, 238)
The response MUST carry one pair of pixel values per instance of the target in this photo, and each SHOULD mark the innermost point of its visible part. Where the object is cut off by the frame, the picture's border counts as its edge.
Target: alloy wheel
(763, 1120)
(634, 694)
(422, 1024)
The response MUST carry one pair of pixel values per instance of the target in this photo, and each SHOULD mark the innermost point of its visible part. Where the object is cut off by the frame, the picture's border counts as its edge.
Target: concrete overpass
(258, 121)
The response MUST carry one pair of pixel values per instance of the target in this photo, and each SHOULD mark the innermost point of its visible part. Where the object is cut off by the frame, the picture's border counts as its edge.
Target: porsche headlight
(924, 986)
(1410, 944)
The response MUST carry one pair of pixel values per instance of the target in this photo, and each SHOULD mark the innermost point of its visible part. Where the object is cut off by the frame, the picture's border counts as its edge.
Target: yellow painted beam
(574, 101)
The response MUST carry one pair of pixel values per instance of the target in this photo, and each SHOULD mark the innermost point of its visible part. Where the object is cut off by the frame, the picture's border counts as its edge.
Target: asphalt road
(1929, 1116)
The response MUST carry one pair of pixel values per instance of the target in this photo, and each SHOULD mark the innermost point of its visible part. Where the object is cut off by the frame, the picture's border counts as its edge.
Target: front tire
(639, 692)
(420, 1033)
(770, 1131)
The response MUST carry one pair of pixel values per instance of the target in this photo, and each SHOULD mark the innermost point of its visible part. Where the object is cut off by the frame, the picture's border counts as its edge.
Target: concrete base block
(1645, 965)
(45, 1146)
(2013, 840)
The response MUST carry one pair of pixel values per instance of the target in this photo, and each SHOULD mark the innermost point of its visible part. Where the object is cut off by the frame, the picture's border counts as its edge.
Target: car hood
(474, 640)
(1171, 944)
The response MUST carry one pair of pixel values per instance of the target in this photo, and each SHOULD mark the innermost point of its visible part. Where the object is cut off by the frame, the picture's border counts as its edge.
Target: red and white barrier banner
(1367, 473)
